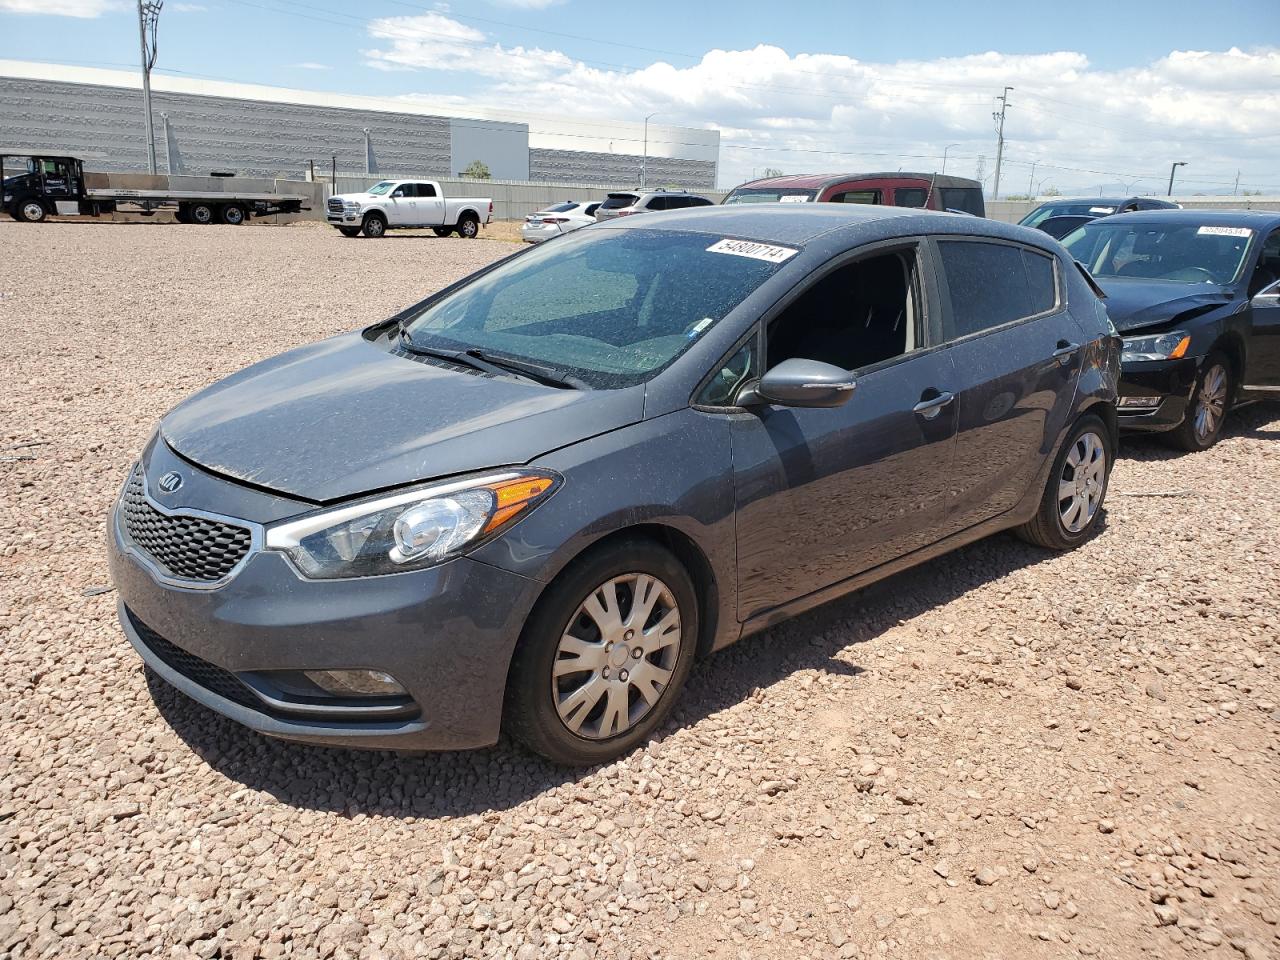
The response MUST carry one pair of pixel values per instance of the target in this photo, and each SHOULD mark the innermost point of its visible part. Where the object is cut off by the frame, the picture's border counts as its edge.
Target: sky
(1106, 94)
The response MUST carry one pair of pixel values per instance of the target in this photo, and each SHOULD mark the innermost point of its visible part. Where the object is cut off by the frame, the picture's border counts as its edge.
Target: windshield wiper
(531, 371)
(498, 366)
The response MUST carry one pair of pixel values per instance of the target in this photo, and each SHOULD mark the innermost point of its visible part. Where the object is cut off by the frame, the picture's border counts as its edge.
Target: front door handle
(1065, 351)
(933, 406)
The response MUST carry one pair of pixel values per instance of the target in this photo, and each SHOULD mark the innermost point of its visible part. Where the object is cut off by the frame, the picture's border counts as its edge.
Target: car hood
(348, 416)
(1134, 304)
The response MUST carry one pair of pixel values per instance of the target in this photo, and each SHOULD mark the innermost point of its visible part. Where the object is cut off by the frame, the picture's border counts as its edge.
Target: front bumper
(446, 634)
(1166, 382)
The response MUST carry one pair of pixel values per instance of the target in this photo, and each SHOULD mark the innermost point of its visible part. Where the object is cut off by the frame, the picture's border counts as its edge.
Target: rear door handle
(1065, 351)
(933, 406)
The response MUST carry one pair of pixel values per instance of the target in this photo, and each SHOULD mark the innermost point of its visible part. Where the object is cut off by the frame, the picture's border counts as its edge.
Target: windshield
(618, 201)
(770, 195)
(610, 308)
(378, 189)
(1186, 253)
(560, 207)
(1076, 208)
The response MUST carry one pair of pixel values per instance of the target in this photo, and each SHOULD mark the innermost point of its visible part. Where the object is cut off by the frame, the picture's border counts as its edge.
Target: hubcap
(469, 229)
(33, 211)
(374, 228)
(616, 656)
(1212, 404)
(1083, 478)
(234, 215)
(201, 214)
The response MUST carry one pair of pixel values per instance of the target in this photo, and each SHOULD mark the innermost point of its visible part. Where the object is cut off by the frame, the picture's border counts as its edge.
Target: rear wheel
(468, 227)
(349, 231)
(30, 210)
(201, 213)
(234, 214)
(374, 226)
(442, 231)
(1207, 411)
(1072, 500)
(604, 655)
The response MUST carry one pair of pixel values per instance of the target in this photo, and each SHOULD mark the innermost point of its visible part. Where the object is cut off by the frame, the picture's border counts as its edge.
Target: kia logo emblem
(171, 481)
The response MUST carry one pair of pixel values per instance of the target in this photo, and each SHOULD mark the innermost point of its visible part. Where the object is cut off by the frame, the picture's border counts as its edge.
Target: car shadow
(1254, 422)
(382, 783)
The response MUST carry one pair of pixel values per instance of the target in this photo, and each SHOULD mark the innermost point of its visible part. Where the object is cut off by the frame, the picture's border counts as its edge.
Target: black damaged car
(1196, 296)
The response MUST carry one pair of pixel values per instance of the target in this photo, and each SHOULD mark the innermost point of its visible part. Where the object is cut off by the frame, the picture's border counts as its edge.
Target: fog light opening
(356, 683)
(1139, 402)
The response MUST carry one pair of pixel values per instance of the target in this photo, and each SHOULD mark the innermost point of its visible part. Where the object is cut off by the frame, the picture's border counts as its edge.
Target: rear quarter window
(965, 199)
(616, 201)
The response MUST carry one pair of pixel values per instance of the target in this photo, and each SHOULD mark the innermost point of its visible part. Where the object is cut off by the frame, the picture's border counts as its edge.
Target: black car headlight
(411, 529)
(1156, 346)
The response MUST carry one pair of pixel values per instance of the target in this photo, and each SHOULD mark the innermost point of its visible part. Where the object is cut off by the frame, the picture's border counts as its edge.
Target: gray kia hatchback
(530, 501)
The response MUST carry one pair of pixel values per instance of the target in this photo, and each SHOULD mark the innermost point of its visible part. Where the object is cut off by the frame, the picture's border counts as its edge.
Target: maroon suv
(933, 191)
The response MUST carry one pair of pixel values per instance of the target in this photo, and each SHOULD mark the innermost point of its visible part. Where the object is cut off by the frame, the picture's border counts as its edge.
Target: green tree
(476, 170)
(771, 172)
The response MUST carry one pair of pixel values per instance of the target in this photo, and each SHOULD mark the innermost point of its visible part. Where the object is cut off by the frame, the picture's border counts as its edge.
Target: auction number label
(756, 251)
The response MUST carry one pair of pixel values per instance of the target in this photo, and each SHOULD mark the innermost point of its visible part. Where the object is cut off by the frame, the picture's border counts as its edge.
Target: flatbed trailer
(47, 185)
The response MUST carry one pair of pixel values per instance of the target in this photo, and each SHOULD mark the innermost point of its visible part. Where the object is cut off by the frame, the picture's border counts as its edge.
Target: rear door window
(910, 196)
(659, 203)
(856, 196)
(426, 189)
(991, 284)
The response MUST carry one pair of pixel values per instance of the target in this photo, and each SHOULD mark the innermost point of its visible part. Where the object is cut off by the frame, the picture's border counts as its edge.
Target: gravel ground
(1001, 754)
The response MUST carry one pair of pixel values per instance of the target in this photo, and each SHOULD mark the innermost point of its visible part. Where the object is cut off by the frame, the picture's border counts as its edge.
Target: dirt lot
(1001, 754)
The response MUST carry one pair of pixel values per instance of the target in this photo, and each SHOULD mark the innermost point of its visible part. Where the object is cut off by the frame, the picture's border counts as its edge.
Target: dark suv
(532, 500)
(624, 203)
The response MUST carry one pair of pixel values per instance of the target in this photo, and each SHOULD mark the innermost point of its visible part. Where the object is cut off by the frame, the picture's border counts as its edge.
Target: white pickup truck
(401, 204)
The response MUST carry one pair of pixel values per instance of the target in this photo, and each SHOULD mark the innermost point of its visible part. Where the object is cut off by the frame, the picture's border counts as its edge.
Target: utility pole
(980, 174)
(999, 119)
(1172, 171)
(644, 159)
(1031, 182)
(1236, 189)
(944, 155)
(148, 21)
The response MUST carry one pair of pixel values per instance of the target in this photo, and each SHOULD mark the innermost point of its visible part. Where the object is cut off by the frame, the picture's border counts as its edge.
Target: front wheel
(604, 655)
(1072, 500)
(1207, 411)
(374, 226)
(468, 228)
(31, 211)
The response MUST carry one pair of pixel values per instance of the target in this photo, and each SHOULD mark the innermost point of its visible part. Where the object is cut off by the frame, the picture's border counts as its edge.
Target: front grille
(211, 677)
(335, 205)
(186, 547)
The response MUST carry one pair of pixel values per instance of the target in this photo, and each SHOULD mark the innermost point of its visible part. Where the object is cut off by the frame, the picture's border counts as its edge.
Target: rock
(1166, 914)
(986, 876)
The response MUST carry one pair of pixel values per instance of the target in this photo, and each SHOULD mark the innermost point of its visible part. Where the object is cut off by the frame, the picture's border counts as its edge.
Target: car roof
(1103, 201)
(1256, 219)
(816, 181)
(845, 224)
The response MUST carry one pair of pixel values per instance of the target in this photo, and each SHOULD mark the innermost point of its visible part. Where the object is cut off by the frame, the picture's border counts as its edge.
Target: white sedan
(555, 220)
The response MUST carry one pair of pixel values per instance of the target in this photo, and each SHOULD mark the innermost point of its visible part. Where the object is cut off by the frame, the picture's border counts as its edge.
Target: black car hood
(346, 416)
(1134, 304)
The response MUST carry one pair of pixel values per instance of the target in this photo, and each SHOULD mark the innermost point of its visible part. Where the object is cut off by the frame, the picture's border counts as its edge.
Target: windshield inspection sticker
(756, 251)
(1225, 232)
(1102, 209)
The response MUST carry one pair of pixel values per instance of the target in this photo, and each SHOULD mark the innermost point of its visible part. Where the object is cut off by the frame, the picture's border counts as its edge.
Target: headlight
(352, 205)
(1159, 346)
(412, 529)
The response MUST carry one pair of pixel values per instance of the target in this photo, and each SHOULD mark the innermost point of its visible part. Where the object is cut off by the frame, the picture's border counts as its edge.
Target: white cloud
(310, 65)
(188, 8)
(1082, 126)
(84, 9)
(526, 4)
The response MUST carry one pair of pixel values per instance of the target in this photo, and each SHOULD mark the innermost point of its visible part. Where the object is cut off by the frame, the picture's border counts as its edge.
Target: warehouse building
(203, 126)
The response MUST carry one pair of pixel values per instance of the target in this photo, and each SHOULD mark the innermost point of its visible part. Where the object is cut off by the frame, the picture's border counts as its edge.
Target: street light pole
(644, 159)
(944, 155)
(148, 21)
(1172, 171)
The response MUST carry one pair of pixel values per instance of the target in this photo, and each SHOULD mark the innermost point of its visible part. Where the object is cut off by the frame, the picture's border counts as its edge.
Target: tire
(374, 226)
(605, 712)
(201, 213)
(349, 231)
(1208, 407)
(233, 214)
(30, 210)
(468, 227)
(442, 231)
(1081, 470)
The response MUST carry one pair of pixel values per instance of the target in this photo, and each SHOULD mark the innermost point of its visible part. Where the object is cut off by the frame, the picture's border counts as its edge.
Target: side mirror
(1267, 296)
(803, 383)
